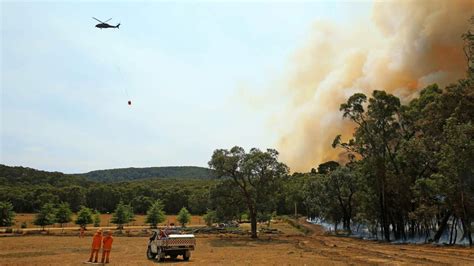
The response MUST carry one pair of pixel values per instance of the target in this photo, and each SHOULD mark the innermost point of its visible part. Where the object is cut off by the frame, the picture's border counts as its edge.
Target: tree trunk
(253, 224)
(466, 231)
(395, 229)
(427, 233)
(384, 219)
(442, 226)
(347, 223)
(381, 173)
(296, 211)
(455, 231)
(401, 226)
(412, 229)
(411, 224)
(376, 230)
(452, 230)
(467, 218)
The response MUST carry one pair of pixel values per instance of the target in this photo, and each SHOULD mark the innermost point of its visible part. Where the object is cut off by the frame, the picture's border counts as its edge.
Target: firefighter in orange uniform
(96, 243)
(107, 246)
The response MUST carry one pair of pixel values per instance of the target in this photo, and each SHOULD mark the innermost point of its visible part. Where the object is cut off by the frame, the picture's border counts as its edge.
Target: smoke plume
(406, 46)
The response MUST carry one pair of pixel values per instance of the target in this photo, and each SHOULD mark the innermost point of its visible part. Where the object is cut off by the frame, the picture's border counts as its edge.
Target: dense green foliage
(49, 187)
(256, 177)
(123, 214)
(63, 214)
(84, 217)
(155, 214)
(46, 216)
(128, 174)
(227, 202)
(412, 164)
(330, 194)
(184, 217)
(210, 217)
(7, 215)
(96, 219)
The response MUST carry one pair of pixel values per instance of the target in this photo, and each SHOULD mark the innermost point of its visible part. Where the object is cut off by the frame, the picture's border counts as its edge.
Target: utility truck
(170, 243)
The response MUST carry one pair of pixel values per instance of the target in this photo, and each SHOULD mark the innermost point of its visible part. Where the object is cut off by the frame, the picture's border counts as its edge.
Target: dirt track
(291, 248)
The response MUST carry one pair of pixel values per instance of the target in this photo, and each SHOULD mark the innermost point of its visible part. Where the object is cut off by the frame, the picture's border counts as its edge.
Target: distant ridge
(19, 175)
(132, 173)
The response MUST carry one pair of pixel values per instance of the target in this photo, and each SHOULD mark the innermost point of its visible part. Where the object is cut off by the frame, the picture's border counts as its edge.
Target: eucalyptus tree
(257, 175)
(377, 139)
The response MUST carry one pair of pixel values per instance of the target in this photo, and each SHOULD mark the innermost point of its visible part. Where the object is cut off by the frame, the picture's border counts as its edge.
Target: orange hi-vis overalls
(96, 243)
(106, 247)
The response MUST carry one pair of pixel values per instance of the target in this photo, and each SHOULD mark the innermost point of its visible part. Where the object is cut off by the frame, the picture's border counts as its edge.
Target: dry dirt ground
(289, 248)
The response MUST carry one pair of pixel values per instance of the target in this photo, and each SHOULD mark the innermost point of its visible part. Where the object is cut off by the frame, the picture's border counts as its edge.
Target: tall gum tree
(257, 175)
(376, 141)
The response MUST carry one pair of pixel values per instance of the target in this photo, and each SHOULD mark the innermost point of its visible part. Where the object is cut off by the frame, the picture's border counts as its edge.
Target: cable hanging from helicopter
(105, 25)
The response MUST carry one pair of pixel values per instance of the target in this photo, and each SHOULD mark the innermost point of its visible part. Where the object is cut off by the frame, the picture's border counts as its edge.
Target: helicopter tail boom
(118, 26)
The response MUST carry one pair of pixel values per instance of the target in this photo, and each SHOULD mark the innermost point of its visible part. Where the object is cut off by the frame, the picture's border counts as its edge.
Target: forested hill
(29, 189)
(17, 175)
(127, 174)
(23, 175)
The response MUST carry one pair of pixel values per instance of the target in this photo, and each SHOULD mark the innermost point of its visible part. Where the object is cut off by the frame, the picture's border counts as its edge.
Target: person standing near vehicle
(81, 231)
(171, 229)
(96, 243)
(107, 246)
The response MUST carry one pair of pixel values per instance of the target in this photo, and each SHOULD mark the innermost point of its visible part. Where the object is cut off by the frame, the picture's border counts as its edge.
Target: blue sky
(65, 84)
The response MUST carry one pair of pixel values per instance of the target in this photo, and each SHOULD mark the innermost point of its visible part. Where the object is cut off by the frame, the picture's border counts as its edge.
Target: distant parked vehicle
(228, 224)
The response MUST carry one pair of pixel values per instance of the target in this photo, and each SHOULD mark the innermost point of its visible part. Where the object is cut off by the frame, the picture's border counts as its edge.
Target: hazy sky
(185, 67)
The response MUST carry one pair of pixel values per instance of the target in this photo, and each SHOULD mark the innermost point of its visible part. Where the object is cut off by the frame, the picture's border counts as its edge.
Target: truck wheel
(150, 255)
(160, 255)
(186, 255)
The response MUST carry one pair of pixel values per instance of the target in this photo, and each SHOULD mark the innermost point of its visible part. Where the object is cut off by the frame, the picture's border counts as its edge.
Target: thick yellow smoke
(406, 46)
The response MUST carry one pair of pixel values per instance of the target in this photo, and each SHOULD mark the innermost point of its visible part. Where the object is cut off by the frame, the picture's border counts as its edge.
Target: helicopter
(104, 25)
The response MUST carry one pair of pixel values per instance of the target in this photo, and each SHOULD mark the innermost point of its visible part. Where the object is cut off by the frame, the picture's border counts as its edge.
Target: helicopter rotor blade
(108, 19)
(97, 20)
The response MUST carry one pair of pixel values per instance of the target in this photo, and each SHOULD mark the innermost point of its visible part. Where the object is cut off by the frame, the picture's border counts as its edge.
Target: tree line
(127, 174)
(50, 214)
